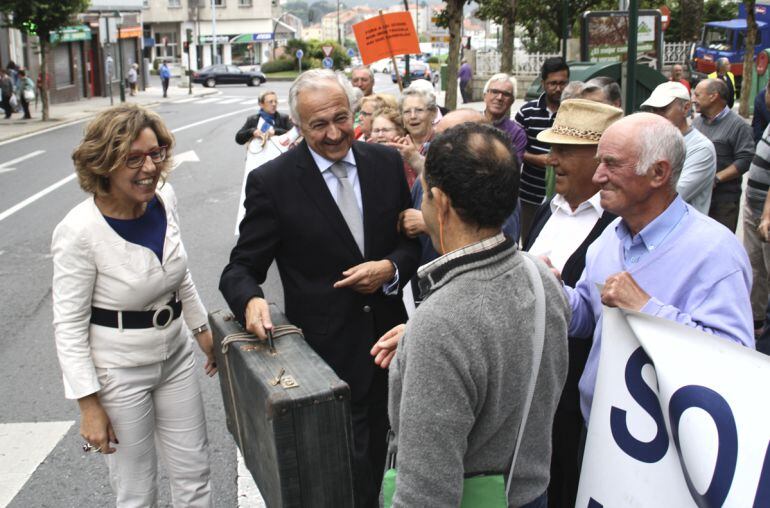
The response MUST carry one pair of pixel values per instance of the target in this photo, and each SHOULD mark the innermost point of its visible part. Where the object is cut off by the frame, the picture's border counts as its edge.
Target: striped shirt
(535, 117)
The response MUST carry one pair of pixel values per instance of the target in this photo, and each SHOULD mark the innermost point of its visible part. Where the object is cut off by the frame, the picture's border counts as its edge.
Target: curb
(56, 124)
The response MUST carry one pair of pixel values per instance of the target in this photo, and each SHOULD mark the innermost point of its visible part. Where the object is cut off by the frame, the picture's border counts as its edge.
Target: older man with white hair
(499, 94)
(327, 213)
(659, 256)
(671, 100)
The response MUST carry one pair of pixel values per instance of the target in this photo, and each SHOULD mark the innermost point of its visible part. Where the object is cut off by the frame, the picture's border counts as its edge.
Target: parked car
(214, 75)
(417, 70)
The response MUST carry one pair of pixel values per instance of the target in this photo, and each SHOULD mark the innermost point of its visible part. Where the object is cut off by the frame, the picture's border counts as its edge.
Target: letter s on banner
(727, 434)
(656, 449)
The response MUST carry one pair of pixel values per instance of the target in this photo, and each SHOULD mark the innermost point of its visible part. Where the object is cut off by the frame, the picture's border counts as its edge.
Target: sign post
(300, 54)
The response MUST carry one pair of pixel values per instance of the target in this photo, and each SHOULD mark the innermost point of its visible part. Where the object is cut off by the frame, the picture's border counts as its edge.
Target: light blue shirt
(652, 235)
(694, 269)
(332, 182)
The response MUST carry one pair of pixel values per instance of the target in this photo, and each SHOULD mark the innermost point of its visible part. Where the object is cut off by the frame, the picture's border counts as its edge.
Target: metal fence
(524, 64)
(676, 52)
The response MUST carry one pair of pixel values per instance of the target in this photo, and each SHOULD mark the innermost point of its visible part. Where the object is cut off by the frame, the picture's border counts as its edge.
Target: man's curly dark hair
(476, 167)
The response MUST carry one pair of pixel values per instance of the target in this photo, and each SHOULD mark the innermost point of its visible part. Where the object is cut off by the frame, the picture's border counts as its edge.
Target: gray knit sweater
(460, 377)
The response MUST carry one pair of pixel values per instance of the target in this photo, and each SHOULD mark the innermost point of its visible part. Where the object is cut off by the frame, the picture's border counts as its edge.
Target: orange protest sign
(386, 35)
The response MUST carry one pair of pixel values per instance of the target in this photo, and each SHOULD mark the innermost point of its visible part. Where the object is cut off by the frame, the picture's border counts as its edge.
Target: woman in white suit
(120, 287)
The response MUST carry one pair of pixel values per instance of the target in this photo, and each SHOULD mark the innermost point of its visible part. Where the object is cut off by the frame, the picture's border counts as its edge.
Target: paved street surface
(41, 464)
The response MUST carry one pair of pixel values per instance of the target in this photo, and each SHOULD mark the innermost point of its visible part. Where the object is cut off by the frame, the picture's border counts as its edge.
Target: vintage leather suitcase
(288, 412)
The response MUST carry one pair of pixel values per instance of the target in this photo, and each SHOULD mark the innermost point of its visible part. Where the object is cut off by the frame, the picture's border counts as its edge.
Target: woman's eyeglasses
(135, 160)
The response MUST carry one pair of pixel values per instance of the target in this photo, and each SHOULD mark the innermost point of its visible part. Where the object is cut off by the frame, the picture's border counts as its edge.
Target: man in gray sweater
(734, 145)
(459, 380)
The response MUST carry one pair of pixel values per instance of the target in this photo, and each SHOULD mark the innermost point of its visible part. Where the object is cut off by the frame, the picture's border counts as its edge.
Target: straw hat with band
(580, 122)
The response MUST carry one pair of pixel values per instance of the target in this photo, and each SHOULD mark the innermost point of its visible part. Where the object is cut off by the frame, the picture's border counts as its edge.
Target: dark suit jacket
(244, 135)
(291, 217)
(573, 269)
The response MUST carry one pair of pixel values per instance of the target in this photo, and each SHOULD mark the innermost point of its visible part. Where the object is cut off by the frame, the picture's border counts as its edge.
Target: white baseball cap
(665, 93)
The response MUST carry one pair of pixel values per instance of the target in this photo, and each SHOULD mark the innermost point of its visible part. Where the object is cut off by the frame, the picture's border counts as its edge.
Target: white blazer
(95, 266)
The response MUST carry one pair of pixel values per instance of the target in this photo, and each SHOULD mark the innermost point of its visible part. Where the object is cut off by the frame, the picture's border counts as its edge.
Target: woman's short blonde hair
(107, 142)
(394, 116)
(380, 101)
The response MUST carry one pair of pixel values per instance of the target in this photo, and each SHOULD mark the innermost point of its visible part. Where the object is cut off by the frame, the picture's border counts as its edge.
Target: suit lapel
(315, 188)
(367, 181)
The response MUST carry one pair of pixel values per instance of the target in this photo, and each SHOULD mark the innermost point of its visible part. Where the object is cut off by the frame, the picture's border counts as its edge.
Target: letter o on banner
(694, 396)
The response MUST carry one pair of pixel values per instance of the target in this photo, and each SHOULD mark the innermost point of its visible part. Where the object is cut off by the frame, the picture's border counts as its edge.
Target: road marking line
(23, 446)
(12, 210)
(253, 101)
(25, 136)
(64, 180)
(6, 166)
(232, 100)
(188, 156)
(181, 101)
(248, 493)
(209, 101)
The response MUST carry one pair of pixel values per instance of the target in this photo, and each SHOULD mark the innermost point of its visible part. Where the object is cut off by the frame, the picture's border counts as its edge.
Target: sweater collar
(481, 253)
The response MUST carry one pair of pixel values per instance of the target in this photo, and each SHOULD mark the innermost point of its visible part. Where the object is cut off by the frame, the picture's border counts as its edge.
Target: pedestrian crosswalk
(221, 99)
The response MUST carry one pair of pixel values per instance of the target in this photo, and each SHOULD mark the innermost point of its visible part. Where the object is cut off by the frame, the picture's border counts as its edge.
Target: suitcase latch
(286, 382)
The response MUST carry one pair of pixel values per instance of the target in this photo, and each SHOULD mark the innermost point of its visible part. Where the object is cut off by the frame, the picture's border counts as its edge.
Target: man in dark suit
(326, 211)
(563, 228)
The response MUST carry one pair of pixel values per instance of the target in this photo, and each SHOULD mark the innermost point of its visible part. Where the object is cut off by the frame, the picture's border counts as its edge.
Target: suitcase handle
(278, 331)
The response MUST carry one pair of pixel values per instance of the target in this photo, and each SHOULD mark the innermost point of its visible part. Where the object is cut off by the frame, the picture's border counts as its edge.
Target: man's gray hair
(572, 90)
(660, 141)
(427, 97)
(315, 79)
(501, 76)
(609, 87)
(717, 86)
(363, 68)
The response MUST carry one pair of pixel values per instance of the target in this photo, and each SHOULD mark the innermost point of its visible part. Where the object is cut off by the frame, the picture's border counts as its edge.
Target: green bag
(491, 491)
(550, 182)
(486, 491)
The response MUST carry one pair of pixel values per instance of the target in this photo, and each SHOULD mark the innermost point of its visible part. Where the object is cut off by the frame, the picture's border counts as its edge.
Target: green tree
(748, 59)
(42, 18)
(452, 17)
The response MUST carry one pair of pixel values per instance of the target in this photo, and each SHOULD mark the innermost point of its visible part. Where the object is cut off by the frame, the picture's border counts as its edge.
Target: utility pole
(633, 29)
(215, 55)
(339, 30)
(407, 77)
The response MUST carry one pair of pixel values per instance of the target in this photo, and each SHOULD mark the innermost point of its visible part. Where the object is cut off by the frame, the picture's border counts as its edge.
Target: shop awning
(252, 37)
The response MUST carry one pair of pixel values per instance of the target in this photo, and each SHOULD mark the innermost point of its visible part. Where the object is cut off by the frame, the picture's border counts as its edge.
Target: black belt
(133, 319)
(758, 185)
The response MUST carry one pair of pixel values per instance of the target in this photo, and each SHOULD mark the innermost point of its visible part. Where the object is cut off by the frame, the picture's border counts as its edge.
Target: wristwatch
(202, 328)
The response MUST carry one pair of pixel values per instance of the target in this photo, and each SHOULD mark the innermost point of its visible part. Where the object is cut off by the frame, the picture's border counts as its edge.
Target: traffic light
(185, 46)
(189, 36)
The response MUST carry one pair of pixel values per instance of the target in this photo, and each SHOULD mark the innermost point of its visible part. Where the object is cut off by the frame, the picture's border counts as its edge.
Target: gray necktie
(348, 205)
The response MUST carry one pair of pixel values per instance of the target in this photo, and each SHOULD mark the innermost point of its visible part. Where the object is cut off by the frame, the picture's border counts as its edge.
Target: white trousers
(157, 407)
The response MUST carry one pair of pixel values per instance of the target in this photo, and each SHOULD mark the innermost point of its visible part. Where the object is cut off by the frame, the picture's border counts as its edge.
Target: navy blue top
(149, 230)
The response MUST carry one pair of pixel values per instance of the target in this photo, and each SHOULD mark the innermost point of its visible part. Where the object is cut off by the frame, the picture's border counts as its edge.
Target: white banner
(694, 430)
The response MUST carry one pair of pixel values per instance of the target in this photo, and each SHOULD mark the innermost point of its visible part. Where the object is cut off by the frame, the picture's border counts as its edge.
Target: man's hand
(384, 349)
(764, 229)
(258, 317)
(556, 273)
(368, 277)
(95, 426)
(411, 223)
(537, 160)
(621, 290)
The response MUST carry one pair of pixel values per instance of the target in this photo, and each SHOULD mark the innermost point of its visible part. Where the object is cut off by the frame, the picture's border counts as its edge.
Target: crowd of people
(510, 231)
(17, 91)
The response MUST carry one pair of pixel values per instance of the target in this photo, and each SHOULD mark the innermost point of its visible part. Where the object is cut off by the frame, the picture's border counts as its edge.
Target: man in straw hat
(660, 256)
(563, 228)
(671, 100)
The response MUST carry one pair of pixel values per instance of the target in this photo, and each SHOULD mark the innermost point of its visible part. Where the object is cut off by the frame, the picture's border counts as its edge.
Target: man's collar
(654, 233)
(594, 202)
(323, 163)
(497, 122)
(718, 116)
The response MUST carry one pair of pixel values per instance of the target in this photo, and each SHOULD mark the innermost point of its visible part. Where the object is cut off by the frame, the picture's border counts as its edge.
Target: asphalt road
(30, 379)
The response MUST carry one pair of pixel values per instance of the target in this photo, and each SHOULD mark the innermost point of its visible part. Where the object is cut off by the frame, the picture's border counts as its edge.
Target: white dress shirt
(566, 229)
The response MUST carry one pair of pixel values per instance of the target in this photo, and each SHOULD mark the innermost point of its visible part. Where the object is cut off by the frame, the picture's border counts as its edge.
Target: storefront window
(166, 45)
(245, 54)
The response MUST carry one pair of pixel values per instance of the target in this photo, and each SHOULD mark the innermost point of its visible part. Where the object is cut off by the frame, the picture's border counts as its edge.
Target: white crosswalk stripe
(23, 446)
(253, 101)
(209, 100)
(231, 100)
(188, 99)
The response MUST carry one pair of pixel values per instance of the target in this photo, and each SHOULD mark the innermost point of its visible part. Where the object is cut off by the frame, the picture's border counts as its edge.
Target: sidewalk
(69, 112)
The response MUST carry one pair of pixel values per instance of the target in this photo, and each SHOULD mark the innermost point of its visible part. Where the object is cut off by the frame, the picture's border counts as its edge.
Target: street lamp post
(215, 55)
(339, 30)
